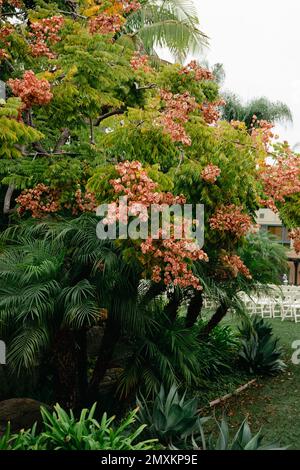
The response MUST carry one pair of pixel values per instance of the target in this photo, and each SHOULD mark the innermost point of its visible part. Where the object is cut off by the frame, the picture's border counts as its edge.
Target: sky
(258, 44)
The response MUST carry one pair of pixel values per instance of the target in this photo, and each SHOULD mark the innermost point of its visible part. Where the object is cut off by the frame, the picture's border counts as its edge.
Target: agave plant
(172, 418)
(260, 352)
(243, 439)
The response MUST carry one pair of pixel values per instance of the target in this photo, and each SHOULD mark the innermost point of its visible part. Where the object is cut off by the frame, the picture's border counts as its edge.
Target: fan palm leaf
(172, 24)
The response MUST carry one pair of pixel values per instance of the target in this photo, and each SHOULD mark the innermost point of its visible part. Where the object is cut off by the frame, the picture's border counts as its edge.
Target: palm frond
(26, 348)
(171, 23)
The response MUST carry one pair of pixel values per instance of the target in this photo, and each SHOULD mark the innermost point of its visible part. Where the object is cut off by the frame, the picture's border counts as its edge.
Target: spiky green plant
(172, 418)
(244, 439)
(260, 352)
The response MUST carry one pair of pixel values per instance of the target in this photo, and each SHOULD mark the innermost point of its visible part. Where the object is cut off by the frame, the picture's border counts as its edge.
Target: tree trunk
(172, 307)
(105, 354)
(65, 134)
(194, 309)
(69, 363)
(7, 199)
(215, 320)
(81, 352)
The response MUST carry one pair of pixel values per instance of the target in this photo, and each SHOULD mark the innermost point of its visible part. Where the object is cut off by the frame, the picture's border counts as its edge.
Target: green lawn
(274, 403)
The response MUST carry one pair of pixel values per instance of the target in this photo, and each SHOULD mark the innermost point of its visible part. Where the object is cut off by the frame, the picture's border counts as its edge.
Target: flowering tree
(90, 118)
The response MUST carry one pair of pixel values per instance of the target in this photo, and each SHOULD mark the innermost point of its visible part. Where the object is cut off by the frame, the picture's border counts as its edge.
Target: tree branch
(194, 309)
(74, 14)
(215, 320)
(36, 145)
(65, 134)
(146, 87)
(92, 137)
(109, 114)
(7, 200)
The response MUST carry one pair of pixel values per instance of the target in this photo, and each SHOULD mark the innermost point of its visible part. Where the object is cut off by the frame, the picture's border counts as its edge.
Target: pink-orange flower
(140, 62)
(231, 219)
(168, 259)
(280, 179)
(176, 113)
(235, 265)
(211, 111)
(295, 236)
(40, 201)
(106, 24)
(199, 73)
(210, 173)
(45, 32)
(31, 90)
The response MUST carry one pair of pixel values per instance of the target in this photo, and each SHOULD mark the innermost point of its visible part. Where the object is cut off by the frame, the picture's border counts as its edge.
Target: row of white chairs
(285, 307)
(283, 302)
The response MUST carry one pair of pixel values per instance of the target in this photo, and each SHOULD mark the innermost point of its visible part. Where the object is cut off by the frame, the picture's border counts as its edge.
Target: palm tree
(46, 303)
(55, 280)
(262, 108)
(172, 24)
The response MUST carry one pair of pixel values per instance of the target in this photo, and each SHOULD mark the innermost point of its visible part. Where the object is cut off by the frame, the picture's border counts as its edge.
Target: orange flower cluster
(211, 112)
(3, 54)
(231, 219)
(235, 265)
(111, 20)
(295, 236)
(139, 61)
(85, 202)
(14, 3)
(40, 201)
(172, 259)
(281, 179)
(5, 31)
(210, 173)
(130, 6)
(31, 90)
(262, 129)
(106, 24)
(44, 32)
(140, 190)
(167, 259)
(176, 113)
(198, 72)
(122, 7)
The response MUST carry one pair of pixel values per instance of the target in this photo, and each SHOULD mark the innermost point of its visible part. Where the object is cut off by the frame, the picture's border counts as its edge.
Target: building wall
(268, 217)
(292, 274)
(271, 222)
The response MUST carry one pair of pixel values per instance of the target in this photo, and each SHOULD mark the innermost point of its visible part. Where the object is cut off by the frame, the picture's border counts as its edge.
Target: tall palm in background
(171, 24)
(262, 108)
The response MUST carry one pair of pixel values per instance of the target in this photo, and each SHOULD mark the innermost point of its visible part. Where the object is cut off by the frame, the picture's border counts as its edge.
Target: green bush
(175, 421)
(170, 418)
(62, 431)
(260, 352)
(243, 439)
(218, 352)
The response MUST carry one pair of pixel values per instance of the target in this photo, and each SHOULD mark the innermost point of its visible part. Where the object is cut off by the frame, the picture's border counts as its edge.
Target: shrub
(243, 439)
(170, 418)
(62, 431)
(218, 352)
(175, 421)
(260, 352)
